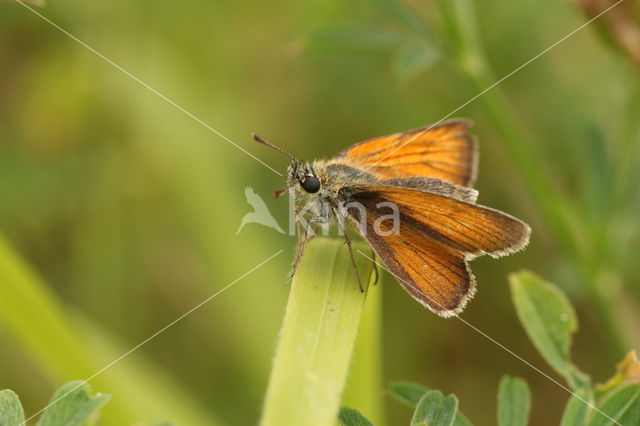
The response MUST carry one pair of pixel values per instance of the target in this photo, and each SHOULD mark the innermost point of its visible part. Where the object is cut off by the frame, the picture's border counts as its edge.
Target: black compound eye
(311, 184)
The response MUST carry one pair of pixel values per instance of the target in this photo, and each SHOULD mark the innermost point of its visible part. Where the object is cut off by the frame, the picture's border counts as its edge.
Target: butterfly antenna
(269, 144)
(278, 193)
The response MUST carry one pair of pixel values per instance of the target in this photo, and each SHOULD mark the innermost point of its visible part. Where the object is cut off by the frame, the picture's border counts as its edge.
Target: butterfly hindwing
(435, 275)
(436, 236)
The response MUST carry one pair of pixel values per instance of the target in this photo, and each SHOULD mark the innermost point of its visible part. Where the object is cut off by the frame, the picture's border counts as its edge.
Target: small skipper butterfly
(427, 175)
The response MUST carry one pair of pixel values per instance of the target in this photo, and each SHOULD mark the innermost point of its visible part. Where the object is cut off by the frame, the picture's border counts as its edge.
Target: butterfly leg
(375, 269)
(347, 241)
(302, 240)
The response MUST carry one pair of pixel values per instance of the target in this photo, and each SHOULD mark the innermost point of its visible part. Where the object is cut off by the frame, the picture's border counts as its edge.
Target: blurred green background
(118, 212)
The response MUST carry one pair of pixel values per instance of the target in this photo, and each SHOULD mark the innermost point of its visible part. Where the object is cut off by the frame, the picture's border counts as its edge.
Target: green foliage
(65, 346)
(351, 39)
(549, 320)
(547, 316)
(621, 405)
(408, 392)
(431, 407)
(575, 413)
(412, 59)
(72, 405)
(461, 420)
(11, 412)
(411, 394)
(116, 199)
(434, 409)
(351, 417)
(514, 402)
(411, 54)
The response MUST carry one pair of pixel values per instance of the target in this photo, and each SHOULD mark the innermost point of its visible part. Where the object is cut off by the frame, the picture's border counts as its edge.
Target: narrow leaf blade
(407, 392)
(321, 324)
(350, 39)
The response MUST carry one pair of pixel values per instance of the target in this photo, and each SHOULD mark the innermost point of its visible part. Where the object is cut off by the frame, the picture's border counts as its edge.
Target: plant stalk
(365, 385)
(318, 336)
(460, 23)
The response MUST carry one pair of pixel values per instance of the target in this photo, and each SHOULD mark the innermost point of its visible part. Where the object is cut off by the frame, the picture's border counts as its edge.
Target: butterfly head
(301, 176)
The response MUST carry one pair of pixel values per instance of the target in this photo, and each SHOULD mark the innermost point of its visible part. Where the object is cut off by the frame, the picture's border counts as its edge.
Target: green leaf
(410, 393)
(406, 14)
(351, 417)
(575, 413)
(434, 409)
(351, 39)
(11, 412)
(632, 415)
(72, 405)
(616, 406)
(413, 58)
(514, 402)
(549, 320)
(407, 392)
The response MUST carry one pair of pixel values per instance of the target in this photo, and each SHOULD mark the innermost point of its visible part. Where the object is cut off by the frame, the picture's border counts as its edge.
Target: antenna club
(269, 144)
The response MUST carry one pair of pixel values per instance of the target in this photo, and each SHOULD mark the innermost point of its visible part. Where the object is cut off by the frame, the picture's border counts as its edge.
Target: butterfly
(410, 196)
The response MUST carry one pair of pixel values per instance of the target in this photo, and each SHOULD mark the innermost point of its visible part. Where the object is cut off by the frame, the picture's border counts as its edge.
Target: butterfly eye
(311, 184)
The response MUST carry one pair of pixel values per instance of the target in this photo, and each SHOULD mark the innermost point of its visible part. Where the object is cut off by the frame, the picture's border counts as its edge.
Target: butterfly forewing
(469, 228)
(445, 151)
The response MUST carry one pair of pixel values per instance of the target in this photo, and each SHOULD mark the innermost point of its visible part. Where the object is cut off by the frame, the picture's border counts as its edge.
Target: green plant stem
(365, 385)
(318, 336)
(468, 52)
(460, 23)
(556, 213)
(630, 147)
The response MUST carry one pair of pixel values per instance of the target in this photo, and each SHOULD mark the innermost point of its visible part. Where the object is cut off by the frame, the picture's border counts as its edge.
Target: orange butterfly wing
(435, 275)
(437, 235)
(444, 151)
(469, 228)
